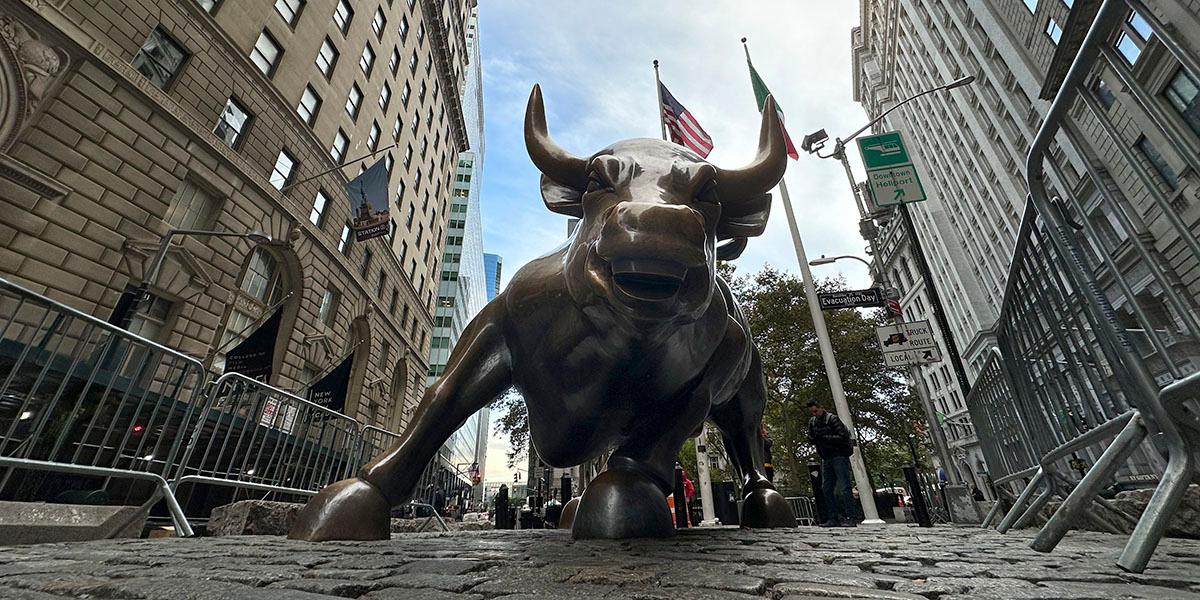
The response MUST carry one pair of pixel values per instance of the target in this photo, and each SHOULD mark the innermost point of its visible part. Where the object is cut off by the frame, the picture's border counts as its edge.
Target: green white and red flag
(760, 95)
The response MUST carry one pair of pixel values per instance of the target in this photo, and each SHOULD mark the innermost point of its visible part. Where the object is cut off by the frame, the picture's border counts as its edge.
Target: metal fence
(1069, 386)
(804, 508)
(81, 397)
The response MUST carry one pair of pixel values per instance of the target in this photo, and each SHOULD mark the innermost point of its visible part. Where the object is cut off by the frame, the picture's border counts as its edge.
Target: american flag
(682, 126)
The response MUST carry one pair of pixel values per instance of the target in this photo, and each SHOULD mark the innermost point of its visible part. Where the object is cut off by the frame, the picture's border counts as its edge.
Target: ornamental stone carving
(28, 67)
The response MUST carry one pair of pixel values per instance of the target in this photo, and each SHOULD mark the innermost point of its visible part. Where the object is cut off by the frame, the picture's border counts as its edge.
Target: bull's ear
(562, 199)
(749, 220)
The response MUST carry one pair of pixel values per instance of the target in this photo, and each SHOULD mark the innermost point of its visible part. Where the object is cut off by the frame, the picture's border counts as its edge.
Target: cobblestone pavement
(893, 562)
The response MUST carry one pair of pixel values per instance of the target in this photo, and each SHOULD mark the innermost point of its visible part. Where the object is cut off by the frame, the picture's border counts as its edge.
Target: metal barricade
(374, 441)
(254, 436)
(1006, 446)
(83, 398)
(804, 508)
(1076, 379)
(933, 489)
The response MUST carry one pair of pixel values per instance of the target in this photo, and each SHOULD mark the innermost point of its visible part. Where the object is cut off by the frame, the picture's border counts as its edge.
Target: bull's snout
(663, 232)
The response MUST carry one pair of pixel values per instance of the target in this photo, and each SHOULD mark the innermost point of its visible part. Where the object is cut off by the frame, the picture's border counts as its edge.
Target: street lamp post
(812, 144)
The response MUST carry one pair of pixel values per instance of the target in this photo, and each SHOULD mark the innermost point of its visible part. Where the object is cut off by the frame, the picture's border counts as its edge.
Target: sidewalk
(892, 562)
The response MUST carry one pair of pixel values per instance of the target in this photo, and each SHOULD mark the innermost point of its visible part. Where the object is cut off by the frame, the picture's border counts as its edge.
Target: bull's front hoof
(567, 518)
(350, 509)
(620, 504)
(765, 507)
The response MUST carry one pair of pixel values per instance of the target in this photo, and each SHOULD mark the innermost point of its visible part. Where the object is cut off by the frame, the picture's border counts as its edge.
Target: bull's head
(652, 213)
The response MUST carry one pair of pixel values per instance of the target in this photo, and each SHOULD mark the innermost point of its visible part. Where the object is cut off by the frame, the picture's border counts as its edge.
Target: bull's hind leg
(358, 508)
(629, 499)
(740, 421)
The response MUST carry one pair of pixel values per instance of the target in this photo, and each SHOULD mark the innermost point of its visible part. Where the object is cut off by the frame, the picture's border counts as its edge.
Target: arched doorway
(398, 395)
(267, 282)
(360, 344)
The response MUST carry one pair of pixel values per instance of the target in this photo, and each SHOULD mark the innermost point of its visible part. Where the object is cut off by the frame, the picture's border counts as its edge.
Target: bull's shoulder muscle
(537, 282)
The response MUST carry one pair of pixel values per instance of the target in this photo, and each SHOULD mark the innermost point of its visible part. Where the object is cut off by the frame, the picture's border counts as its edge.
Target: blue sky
(593, 61)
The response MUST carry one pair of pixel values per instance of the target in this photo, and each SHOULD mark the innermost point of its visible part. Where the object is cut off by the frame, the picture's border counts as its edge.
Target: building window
(266, 53)
(327, 58)
(1054, 31)
(365, 266)
(378, 22)
(289, 10)
(160, 58)
(373, 136)
(421, 32)
(338, 150)
(1158, 162)
(328, 310)
(381, 284)
(344, 240)
(1104, 93)
(320, 203)
(209, 6)
(403, 27)
(1031, 5)
(1183, 93)
(354, 101)
(367, 61)
(416, 123)
(385, 96)
(342, 15)
(395, 300)
(399, 191)
(233, 123)
(394, 61)
(281, 175)
(191, 208)
(310, 103)
(408, 154)
(1135, 32)
(412, 63)
(405, 93)
(396, 129)
(408, 220)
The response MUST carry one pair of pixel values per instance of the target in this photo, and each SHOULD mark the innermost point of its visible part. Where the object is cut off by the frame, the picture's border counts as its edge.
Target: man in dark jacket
(832, 439)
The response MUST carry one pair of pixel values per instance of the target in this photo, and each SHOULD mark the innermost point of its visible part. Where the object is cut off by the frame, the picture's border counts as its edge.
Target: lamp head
(824, 260)
(961, 81)
(259, 237)
(814, 141)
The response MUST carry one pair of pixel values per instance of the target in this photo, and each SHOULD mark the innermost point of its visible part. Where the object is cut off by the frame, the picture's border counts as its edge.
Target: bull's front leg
(359, 508)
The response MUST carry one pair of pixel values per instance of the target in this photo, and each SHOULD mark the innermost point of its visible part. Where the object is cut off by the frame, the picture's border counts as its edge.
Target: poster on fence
(279, 415)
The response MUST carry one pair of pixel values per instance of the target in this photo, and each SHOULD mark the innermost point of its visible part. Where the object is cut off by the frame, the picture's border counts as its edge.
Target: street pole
(866, 495)
(941, 446)
(702, 473)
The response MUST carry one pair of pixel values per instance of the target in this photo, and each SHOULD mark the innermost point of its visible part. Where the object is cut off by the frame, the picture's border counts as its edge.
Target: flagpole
(658, 94)
(866, 495)
(703, 475)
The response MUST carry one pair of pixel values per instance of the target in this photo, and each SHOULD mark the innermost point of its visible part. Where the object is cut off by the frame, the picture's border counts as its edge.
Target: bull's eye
(708, 193)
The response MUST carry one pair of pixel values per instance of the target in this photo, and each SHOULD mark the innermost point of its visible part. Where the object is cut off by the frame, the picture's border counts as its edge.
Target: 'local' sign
(871, 297)
(891, 176)
(912, 357)
(906, 344)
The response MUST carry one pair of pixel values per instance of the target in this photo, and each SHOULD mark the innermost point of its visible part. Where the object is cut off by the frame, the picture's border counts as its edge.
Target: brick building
(1124, 165)
(120, 119)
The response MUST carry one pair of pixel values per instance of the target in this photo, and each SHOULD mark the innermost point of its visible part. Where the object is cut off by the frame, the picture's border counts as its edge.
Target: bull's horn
(767, 169)
(550, 158)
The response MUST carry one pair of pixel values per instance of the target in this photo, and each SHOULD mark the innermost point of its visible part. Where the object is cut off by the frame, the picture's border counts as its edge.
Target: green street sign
(891, 176)
(883, 150)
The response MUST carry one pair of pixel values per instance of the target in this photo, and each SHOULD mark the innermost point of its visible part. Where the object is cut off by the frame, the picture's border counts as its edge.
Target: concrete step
(42, 522)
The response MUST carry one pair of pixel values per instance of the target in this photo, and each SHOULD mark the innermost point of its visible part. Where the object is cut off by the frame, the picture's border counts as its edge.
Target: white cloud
(593, 60)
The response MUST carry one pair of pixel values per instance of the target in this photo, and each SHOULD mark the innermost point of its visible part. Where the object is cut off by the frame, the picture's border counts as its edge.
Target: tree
(883, 408)
(513, 422)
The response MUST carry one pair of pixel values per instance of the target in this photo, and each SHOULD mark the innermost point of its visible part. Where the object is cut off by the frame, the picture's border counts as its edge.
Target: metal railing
(82, 397)
(254, 436)
(804, 508)
(1066, 385)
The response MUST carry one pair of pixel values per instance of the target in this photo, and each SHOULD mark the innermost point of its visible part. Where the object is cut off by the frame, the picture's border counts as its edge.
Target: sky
(594, 62)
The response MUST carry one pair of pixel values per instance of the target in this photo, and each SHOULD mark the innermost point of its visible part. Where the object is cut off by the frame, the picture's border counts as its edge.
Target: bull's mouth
(648, 280)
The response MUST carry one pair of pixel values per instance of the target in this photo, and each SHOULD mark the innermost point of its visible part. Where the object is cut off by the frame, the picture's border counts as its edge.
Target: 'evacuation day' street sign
(891, 176)
(870, 297)
(907, 344)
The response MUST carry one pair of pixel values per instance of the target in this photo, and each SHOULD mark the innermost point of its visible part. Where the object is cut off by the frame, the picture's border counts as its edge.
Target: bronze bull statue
(625, 338)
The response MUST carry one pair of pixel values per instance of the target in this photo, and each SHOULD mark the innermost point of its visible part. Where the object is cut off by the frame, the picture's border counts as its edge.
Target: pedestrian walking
(832, 439)
(768, 465)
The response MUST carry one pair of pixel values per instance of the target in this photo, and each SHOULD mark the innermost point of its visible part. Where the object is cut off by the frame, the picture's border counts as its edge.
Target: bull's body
(623, 339)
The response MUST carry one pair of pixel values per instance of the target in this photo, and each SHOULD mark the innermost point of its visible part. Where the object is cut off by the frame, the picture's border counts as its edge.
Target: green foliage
(513, 422)
(883, 408)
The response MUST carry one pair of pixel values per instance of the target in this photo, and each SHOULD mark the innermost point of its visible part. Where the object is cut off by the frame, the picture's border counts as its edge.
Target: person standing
(832, 439)
(768, 467)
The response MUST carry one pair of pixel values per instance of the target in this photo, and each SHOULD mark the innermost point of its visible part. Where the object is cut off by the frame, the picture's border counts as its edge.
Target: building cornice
(439, 42)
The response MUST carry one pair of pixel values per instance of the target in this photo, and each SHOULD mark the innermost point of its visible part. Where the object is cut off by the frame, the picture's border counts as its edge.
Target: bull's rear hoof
(765, 507)
(622, 503)
(350, 509)
(567, 518)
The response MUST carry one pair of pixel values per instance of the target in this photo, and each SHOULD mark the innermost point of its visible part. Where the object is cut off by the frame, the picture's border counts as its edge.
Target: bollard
(814, 477)
(681, 519)
(502, 514)
(920, 511)
(565, 488)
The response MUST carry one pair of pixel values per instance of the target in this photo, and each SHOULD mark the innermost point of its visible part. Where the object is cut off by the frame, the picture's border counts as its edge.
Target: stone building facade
(1125, 165)
(122, 119)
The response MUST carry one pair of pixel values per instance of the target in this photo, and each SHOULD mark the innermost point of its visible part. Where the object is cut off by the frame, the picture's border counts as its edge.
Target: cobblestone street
(895, 562)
